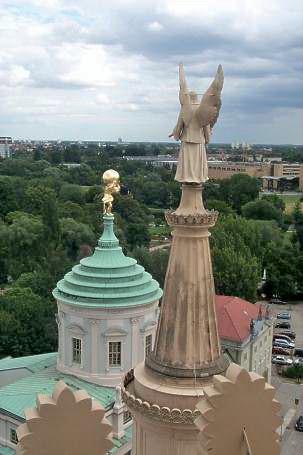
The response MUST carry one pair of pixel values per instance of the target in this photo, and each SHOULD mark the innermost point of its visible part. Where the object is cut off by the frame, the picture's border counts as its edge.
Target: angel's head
(193, 97)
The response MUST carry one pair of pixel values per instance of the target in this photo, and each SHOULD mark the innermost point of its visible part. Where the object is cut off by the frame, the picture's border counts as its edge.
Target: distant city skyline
(79, 70)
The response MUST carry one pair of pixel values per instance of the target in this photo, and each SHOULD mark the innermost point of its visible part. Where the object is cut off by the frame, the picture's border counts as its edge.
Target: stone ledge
(198, 219)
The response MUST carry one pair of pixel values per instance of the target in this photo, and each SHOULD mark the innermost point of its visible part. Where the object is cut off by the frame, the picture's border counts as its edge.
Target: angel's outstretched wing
(208, 111)
(186, 109)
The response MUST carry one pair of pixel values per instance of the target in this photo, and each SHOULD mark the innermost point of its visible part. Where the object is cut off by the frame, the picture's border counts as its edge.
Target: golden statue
(111, 181)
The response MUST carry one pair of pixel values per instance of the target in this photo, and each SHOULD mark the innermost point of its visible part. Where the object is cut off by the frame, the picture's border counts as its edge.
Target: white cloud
(80, 68)
(103, 98)
(15, 75)
(155, 26)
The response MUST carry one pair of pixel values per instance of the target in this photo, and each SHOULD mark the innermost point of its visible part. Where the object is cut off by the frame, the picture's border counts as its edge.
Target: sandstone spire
(187, 342)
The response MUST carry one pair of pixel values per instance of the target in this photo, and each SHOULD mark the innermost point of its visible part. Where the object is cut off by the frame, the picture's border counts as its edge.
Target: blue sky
(88, 69)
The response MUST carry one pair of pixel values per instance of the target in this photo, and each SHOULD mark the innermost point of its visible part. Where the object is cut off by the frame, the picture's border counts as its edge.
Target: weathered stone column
(187, 342)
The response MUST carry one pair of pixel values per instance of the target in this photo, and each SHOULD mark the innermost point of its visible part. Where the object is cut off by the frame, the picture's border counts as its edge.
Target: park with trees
(51, 217)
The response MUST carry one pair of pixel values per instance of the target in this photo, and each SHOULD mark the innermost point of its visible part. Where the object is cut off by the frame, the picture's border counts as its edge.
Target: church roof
(108, 278)
(22, 394)
(6, 450)
(33, 363)
(234, 316)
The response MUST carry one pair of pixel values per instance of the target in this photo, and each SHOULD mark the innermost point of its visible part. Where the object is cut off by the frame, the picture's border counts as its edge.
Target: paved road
(285, 193)
(160, 247)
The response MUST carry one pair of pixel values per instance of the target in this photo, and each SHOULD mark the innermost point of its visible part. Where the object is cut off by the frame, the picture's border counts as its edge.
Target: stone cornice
(152, 410)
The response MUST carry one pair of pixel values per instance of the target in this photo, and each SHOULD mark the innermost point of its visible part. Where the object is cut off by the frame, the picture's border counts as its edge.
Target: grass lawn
(290, 201)
(159, 231)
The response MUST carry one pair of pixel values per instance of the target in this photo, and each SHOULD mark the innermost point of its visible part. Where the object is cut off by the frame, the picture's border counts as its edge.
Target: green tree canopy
(262, 210)
(72, 193)
(222, 207)
(239, 189)
(7, 195)
(74, 234)
(24, 237)
(27, 323)
(275, 200)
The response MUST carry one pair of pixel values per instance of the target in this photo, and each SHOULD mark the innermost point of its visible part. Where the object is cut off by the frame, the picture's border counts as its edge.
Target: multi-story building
(270, 172)
(283, 172)
(5, 146)
(107, 318)
(246, 334)
(219, 170)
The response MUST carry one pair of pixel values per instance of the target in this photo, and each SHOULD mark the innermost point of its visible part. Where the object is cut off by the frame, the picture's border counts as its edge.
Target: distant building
(246, 334)
(270, 159)
(281, 173)
(273, 175)
(270, 173)
(5, 146)
(223, 170)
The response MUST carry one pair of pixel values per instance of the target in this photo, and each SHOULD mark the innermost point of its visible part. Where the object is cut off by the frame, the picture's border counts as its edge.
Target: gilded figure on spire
(111, 180)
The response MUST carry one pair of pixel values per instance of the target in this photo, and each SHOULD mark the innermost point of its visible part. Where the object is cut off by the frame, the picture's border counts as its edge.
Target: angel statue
(194, 128)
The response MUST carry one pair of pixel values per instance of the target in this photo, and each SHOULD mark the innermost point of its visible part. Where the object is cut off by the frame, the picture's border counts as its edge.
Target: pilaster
(135, 341)
(94, 345)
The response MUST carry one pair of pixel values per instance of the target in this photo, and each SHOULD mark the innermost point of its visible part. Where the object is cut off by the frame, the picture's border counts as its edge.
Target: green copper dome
(108, 278)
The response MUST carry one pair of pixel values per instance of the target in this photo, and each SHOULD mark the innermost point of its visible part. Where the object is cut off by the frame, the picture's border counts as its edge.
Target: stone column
(163, 413)
(187, 342)
(162, 393)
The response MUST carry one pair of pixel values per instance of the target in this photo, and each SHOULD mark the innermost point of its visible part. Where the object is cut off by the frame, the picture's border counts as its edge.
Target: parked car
(284, 315)
(282, 337)
(278, 302)
(298, 361)
(289, 333)
(282, 351)
(283, 325)
(299, 424)
(281, 360)
(283, 343)
(298, 352)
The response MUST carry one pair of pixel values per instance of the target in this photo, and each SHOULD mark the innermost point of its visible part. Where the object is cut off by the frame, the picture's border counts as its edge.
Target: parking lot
(287, 391)
(296, 311)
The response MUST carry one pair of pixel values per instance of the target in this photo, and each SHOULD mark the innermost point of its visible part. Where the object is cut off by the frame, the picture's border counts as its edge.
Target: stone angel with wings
(194, 128)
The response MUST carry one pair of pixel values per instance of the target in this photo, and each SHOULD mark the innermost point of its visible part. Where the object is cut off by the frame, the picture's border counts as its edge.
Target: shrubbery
(294, 372)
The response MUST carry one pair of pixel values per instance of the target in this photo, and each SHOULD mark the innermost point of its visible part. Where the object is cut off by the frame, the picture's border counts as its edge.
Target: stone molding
(206, 219)
(211, 368)
(153, 411)
(106, 313)
(134, 321)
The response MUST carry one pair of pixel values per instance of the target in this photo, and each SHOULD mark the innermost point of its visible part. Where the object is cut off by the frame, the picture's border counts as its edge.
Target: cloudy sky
(100, 69)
